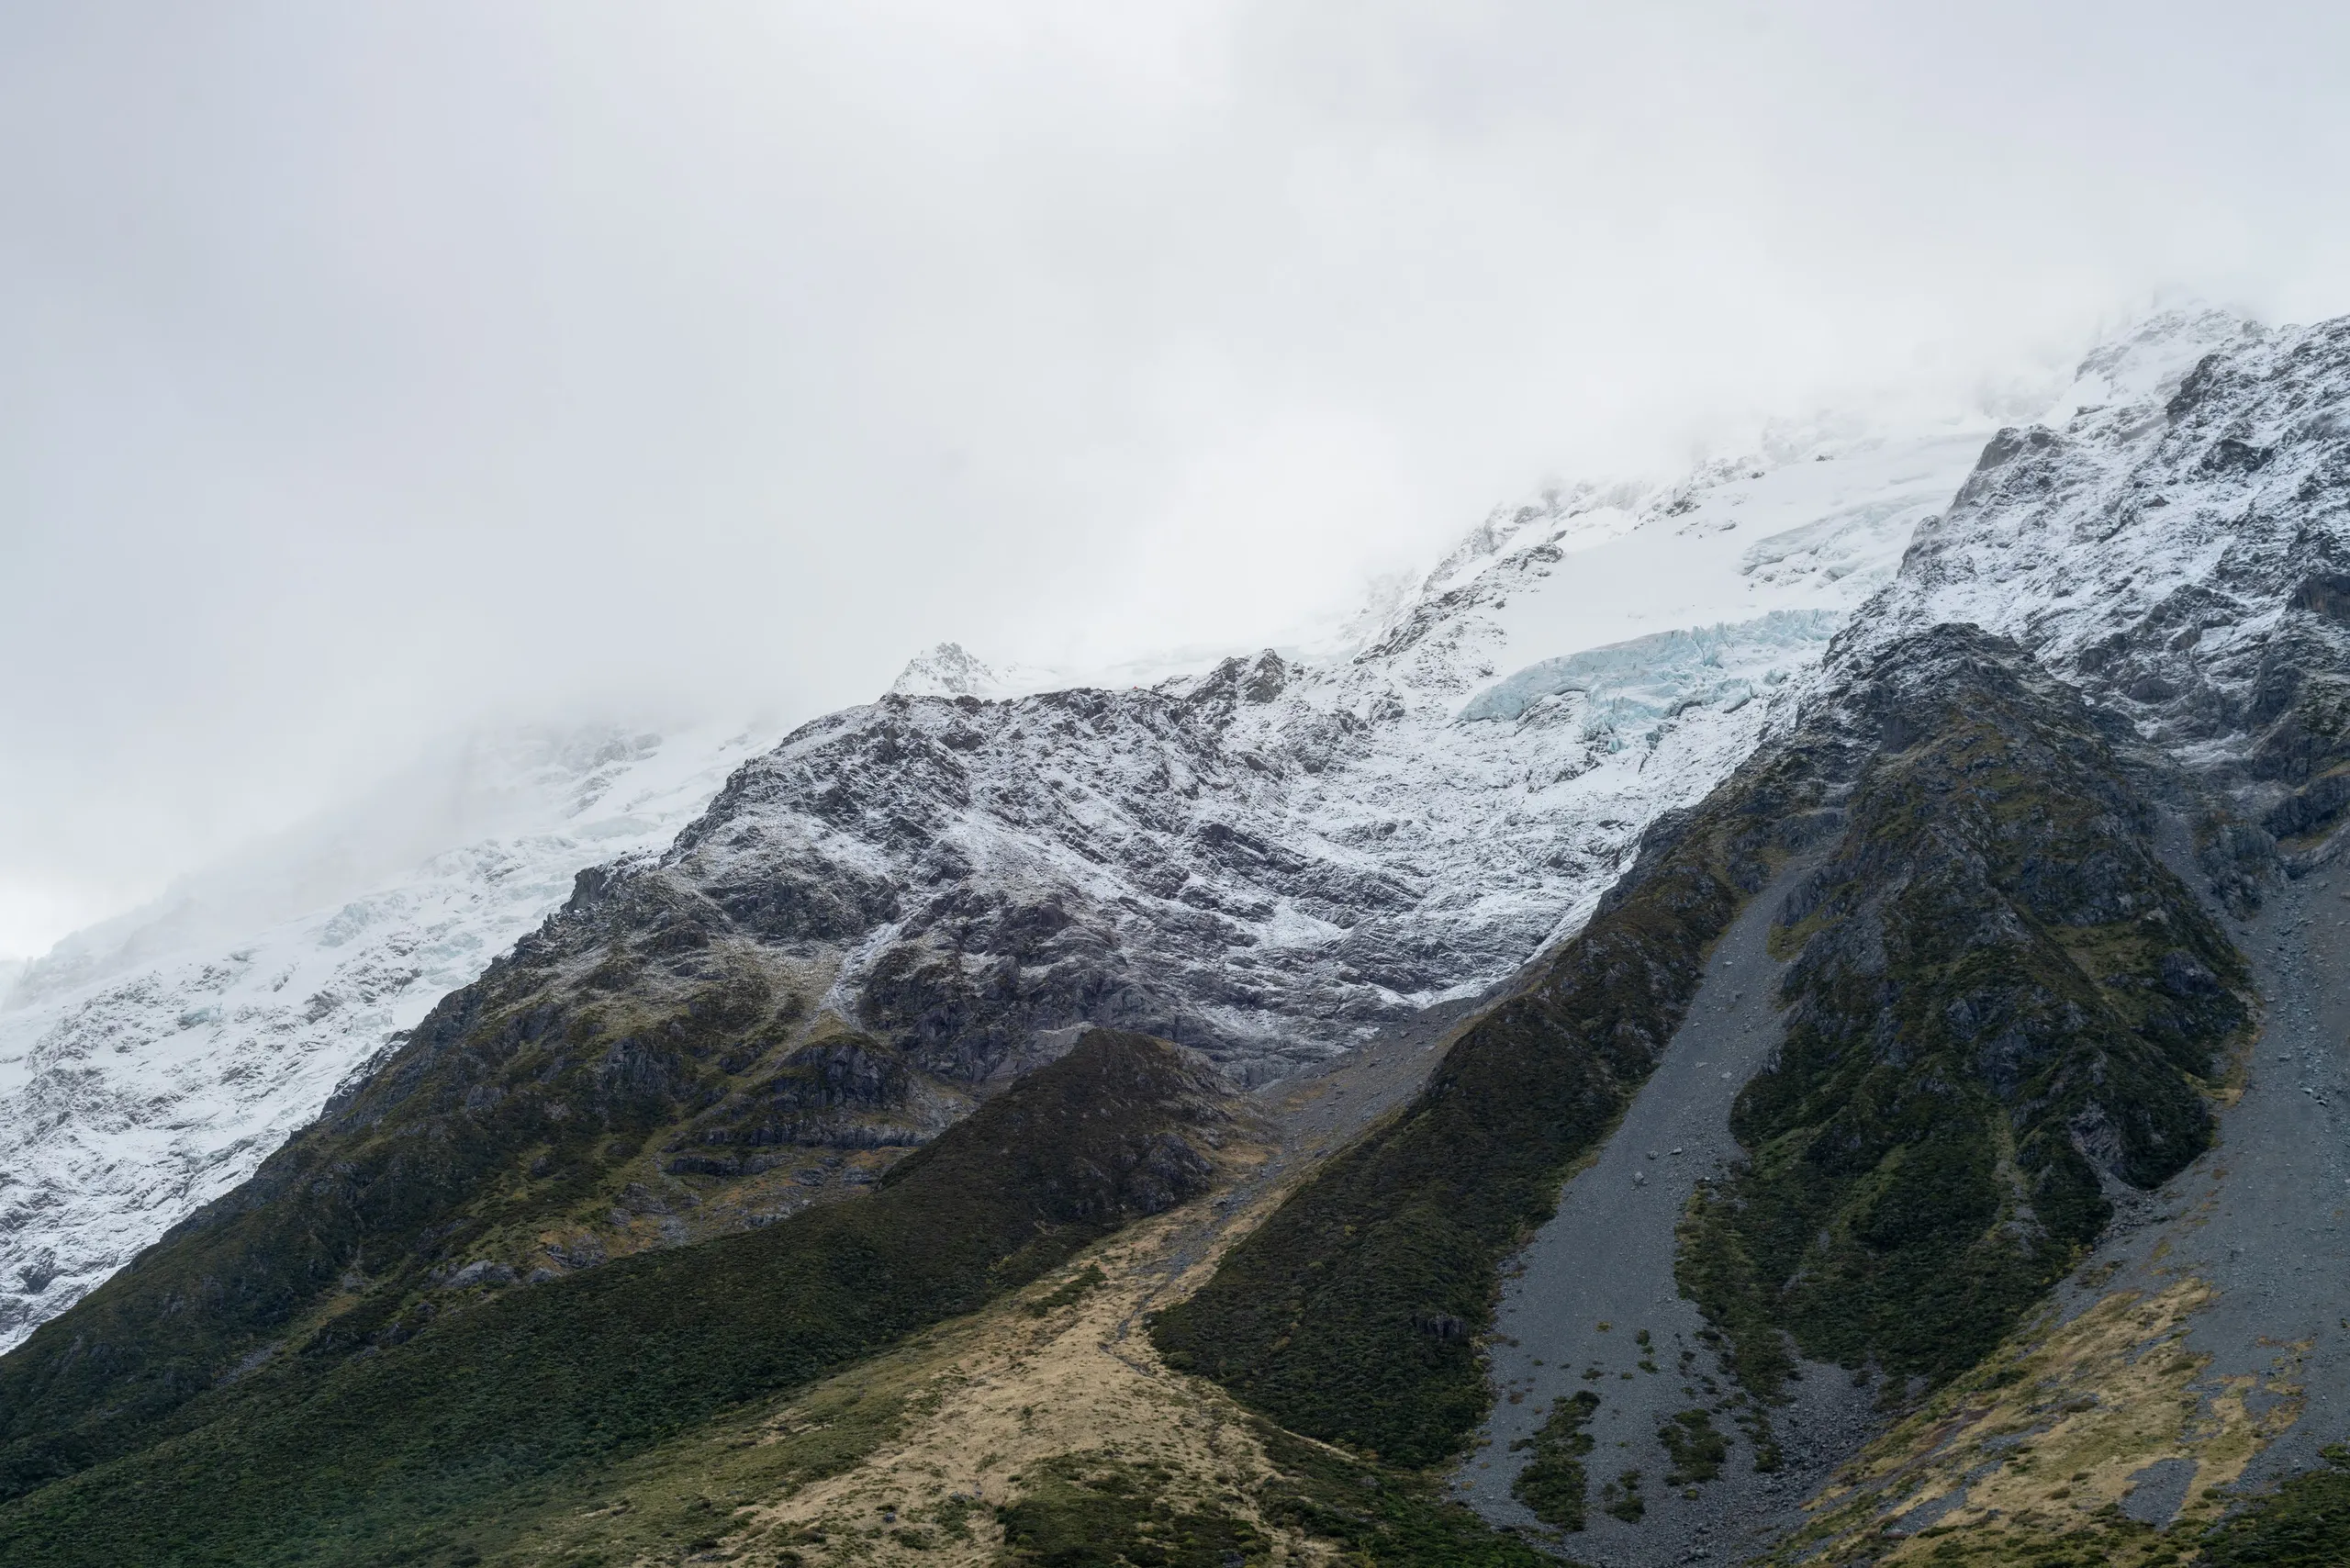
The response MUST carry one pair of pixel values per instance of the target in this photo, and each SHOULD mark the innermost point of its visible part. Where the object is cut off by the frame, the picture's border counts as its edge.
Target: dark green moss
(1716, 1270)
(1621, 1498)
(1068, 1292)
(1379, 1515)
(1697, 1449)
(1554, 1484)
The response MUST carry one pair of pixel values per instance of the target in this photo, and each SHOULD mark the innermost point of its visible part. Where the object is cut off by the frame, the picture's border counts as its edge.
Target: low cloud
(372, 373)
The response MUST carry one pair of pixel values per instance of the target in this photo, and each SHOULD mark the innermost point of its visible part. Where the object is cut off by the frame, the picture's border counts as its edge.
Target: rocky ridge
(1267, 860)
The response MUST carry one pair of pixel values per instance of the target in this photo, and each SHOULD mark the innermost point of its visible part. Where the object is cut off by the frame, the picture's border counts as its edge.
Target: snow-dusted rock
(1269, 859)
(951, 670)
(2181, 553)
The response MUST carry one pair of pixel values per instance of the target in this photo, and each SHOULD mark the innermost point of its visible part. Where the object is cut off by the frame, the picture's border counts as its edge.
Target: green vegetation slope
(629, 1077)
(317, 1457)
(2001, 1002)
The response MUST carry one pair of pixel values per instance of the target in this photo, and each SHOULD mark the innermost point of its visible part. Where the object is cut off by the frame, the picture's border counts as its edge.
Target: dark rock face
(2000, 899)
(842, 1091)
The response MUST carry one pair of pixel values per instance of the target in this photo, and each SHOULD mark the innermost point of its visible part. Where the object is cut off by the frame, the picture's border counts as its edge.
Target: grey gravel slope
(1602, 1271)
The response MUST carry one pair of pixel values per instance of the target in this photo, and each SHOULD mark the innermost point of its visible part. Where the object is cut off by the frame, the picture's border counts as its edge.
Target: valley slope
(2027, 902)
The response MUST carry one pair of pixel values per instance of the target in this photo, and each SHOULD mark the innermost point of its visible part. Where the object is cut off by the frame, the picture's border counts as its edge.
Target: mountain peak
(949, 670)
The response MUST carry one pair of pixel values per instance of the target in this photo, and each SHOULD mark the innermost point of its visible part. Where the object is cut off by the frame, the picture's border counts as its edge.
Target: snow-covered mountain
(1265, 857)
(1990, 1061)
(148, 1065)
(1270, 858)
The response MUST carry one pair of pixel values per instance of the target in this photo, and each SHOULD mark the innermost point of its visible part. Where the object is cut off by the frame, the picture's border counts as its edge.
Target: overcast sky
(371, 370)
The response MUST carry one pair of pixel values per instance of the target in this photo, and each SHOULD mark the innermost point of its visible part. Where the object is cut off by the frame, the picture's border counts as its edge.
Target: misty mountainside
(1187, 1123)
(878, 922)
(1263, 859)
(1267, 860)
(148, 1065)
